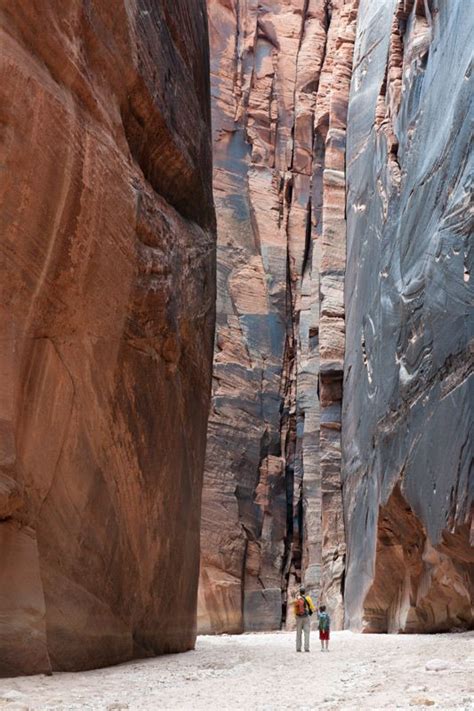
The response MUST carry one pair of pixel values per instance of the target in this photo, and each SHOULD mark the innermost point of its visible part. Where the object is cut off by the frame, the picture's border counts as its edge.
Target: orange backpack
(300, 607)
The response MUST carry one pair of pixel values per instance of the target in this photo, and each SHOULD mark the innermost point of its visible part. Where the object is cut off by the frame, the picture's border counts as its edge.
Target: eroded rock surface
(280, 75)
(107, 323)
(284, 183)
(408, 393)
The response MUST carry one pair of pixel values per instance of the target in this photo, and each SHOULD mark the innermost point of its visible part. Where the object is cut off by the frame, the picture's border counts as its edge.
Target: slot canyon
(236, 316)
(339, 446)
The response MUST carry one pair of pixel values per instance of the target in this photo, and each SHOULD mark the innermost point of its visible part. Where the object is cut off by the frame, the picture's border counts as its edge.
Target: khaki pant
(302, 624)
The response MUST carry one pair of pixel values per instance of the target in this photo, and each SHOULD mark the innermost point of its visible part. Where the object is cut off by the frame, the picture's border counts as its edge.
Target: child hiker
(324, 624)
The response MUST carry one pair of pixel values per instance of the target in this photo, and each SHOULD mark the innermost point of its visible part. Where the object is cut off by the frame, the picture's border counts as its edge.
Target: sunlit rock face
(107, 325)
(272, 507)
(407, 394)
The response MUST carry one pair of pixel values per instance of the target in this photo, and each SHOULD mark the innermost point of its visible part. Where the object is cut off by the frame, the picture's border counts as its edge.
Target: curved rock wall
(107, 325)
(407, 421)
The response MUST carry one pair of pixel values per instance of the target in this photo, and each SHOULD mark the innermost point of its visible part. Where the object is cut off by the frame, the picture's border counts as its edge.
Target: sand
(263, 671)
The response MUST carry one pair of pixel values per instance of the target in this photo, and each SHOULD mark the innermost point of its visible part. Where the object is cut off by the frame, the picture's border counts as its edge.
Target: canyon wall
(272, 508)
(107, 322)
(284, 184)
(407, 422)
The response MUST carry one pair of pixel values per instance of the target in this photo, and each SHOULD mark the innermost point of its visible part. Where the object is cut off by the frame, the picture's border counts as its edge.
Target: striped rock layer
(340, 123)
(272, 508)
(407, 421)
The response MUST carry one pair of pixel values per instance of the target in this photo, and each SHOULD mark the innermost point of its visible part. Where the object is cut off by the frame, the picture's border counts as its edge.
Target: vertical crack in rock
(280, 82)
(331, 120)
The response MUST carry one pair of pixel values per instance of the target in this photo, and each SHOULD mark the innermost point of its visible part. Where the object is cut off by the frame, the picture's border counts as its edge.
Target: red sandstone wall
(313, 149)
(272, 509)
(107, 316)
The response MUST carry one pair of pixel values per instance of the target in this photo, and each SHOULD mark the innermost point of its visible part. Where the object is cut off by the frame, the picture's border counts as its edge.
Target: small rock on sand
(422, 702)
(436, 665)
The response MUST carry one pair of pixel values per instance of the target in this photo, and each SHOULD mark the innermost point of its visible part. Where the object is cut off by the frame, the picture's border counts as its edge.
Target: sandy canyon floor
(263, 671)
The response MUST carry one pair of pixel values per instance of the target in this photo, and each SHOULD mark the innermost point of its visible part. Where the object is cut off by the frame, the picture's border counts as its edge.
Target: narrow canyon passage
(340, 433)
(236, 347)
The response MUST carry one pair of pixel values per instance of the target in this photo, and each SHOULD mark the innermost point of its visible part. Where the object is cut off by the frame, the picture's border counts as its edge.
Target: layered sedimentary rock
(407, 390)
(330, 198)
(284, 183)
(107, 326)
(280, 75)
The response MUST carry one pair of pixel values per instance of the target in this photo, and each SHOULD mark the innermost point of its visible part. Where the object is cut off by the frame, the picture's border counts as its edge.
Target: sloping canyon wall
(309, 130)
(107, 321)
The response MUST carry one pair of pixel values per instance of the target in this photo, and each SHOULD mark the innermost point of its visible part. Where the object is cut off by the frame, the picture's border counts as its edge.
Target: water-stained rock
(280, 83)
(407, 420)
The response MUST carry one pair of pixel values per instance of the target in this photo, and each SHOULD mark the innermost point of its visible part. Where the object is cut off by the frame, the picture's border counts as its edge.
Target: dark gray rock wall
(407, 393)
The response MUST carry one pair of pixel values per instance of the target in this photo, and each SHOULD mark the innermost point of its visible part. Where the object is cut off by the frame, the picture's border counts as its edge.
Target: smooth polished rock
(107, 318)
(407, 416)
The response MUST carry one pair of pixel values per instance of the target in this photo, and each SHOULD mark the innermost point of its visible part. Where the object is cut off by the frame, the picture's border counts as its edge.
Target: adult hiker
(324, 624)
(304, 608)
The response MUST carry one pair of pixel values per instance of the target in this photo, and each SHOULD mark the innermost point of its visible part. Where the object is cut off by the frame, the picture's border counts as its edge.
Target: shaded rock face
(285, 184)
(107, 326)
(272, 507)
(407, 392)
